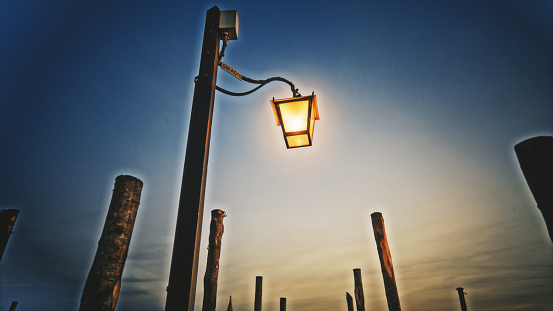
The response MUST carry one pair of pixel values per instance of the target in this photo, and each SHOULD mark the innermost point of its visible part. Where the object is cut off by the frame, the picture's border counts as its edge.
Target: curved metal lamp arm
(295, 92)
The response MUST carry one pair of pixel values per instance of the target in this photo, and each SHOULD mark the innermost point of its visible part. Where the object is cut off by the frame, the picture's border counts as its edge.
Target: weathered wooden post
(7, 221)
(385, 262)
(212, 267)
(282, 304)
(462, 298)
(258, 292)
(359, 295)
(535, 156)
(13, 306)
(102, 286)
(349, 301)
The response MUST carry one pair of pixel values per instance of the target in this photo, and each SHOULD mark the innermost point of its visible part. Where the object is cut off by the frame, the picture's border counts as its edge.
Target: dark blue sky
(421, 104)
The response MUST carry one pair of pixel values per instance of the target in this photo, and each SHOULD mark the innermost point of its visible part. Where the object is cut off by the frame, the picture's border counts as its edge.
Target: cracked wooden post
(102, 286)
(258, 292)
(535, 156)
(349, 301)
(282, 304)
(462, 298)
(385, 262)
(7, 221)
(212, 267)
(359, 295)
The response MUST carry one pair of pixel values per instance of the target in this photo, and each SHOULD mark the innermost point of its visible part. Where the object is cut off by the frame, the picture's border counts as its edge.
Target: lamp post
(181, 290)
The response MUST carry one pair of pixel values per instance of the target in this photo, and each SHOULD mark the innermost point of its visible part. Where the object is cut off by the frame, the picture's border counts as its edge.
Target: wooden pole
(181, 291)
(282, 304)
(359, 295)
(13, 306)
(385, 262)
(535, 156)
(7, 221)
(258, 292)
(462, 298)
(213, 255)
(102, 286)
(349, 301)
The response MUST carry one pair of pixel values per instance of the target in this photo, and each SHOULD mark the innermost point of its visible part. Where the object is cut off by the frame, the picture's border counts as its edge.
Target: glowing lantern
(297, 117)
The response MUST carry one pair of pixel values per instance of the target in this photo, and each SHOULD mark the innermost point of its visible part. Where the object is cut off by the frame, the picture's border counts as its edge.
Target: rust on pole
(258, 292)
(359, 295)
(349, 301)
(462, 298)
(102, 286)
(181, 290)
(385, 262)
(535, 156)
(212, 267)
(282, 304)
(7, 221)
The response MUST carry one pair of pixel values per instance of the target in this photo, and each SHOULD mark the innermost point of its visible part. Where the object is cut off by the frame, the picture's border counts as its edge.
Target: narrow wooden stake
(385, 262)
(229, 307)
(535, 156)
(102, 286)
(349, 300)
(282, 304)
(462, 298)
(258, 292)
(212, 267)
(7, 221)
(359, 295)
(13, 306)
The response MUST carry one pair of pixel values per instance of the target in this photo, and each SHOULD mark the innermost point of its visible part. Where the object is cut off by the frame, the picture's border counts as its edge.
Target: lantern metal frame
(311, 117)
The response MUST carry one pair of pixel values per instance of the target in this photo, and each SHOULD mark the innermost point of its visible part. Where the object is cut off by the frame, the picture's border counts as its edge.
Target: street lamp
(219, 25)
(297, 117)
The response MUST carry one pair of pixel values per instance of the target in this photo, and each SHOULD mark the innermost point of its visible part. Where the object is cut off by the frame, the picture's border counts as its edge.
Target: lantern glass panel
(297, 140)
(294, 115)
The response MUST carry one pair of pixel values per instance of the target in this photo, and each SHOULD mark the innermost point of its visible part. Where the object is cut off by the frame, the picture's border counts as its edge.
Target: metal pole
(102, 286)
(258, 293)
(385, 262)
(462, 298)
(282, 304)
(181, 291)
(7, 221)
(13, 306)
(535, 156)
